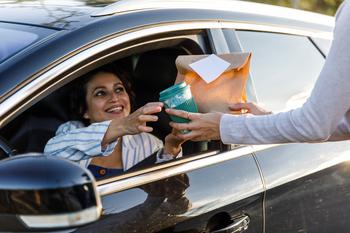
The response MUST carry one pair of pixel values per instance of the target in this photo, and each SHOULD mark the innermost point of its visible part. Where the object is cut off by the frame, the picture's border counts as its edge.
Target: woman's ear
(86, 116)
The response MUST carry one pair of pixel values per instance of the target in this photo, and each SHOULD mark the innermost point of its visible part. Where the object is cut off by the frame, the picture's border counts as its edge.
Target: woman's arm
(138, 149)
(75, 142)
(342, 131)
(134, 123)
(173, 142)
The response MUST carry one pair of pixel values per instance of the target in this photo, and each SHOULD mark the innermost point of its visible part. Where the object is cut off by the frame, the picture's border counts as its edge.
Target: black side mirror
(43, 193)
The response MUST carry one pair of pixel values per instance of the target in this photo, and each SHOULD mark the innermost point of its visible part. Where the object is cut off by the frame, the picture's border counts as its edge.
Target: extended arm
(75, 142)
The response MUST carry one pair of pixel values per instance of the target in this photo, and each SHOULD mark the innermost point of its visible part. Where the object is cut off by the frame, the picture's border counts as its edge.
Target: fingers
(181, 113)
(252, 108)
(181, 126)
(192, 135)
(151, 108)
(144, 128)
(175, 112)
(148, 118)
(239, 106)
(155, 104)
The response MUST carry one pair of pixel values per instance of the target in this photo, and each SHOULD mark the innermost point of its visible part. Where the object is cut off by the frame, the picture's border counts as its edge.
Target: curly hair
(78, 105)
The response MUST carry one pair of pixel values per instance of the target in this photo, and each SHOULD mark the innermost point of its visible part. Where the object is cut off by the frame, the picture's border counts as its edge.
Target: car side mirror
(44, 193)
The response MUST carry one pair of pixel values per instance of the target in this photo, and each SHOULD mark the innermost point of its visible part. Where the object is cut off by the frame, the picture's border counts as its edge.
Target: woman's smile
(106, 98)
(116, 109)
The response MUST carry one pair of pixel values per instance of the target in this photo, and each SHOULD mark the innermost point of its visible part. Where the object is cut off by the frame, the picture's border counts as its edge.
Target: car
(46, 45)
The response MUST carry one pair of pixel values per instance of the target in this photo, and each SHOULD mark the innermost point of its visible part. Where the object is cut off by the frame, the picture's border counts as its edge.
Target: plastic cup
(179, 97)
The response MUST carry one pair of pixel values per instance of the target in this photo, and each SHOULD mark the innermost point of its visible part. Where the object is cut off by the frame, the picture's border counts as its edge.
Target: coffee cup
(179, 97)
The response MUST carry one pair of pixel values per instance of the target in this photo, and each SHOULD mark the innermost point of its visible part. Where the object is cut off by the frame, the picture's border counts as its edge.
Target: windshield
(15, 37)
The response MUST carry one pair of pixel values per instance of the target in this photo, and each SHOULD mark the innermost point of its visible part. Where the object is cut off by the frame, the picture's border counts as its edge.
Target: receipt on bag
(210, 68)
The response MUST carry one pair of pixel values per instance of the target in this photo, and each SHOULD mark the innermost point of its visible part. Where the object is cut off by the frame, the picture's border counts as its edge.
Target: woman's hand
(173, 143)
(251, 108)
(134, 123)
(202, 126)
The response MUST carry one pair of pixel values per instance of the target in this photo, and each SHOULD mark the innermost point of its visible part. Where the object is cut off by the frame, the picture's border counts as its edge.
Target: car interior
(151, 71)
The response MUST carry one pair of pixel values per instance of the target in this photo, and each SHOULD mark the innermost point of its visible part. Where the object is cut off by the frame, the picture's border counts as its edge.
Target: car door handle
(239, 225)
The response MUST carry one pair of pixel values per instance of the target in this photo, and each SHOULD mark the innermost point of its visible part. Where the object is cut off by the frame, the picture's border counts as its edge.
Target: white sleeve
(75, 142)
(318, 118)
(342, 131)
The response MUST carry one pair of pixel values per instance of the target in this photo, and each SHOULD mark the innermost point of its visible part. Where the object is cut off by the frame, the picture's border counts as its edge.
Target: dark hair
(78, 105)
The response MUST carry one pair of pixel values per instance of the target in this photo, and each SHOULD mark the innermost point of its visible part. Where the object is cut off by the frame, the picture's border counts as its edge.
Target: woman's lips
(115, 110)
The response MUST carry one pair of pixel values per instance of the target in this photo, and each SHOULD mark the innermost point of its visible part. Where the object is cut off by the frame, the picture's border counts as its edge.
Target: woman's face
(106, 98)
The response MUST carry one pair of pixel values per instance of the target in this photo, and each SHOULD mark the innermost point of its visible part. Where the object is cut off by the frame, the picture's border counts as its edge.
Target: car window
(15, 38)
(284, 67)
(149, 70)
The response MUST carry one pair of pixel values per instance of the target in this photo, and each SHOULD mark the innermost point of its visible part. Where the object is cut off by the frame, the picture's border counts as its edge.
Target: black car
(214, 187)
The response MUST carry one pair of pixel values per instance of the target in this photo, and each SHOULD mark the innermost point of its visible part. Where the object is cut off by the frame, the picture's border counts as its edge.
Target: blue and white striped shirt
(79, 143)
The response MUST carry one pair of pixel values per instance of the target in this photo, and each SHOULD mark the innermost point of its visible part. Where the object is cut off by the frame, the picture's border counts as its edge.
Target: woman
(108, 139)
(323, 117)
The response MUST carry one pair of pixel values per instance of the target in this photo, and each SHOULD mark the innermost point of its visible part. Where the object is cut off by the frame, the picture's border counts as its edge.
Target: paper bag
(228, 88)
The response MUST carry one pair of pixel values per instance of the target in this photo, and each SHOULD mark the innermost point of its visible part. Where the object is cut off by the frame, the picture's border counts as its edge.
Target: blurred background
(328, 7)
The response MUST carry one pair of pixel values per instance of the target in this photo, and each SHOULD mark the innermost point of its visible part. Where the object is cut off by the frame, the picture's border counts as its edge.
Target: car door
(307, 184)
(201, 194)
(210, 190)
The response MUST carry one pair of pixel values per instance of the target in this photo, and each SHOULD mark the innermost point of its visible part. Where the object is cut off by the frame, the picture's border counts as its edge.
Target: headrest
(156, 70)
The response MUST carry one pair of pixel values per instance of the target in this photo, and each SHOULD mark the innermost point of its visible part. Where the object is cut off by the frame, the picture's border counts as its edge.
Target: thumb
(237, 106)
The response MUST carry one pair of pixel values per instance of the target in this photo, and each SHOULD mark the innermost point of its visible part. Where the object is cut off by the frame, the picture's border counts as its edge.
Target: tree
(328, 7)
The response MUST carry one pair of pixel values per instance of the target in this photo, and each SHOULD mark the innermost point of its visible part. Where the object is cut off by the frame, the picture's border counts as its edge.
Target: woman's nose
(113, 97)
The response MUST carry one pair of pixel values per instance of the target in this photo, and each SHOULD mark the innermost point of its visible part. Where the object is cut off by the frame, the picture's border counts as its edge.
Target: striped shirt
(79, 143)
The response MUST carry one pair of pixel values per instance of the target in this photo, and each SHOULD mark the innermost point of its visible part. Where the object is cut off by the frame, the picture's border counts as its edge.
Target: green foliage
(328, 7)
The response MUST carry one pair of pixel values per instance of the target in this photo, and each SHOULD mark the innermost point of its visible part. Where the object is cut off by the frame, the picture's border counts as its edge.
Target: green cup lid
(173, 90)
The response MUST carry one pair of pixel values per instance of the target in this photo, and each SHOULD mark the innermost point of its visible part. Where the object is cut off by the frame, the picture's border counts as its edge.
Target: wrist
(171, 147)
(172, 151)
(115, 130)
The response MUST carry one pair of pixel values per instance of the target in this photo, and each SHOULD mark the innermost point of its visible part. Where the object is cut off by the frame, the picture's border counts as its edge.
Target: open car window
(151, 70)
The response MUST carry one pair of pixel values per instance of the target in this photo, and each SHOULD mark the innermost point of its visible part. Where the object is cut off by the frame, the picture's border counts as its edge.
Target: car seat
(32, 129)
(155, 71)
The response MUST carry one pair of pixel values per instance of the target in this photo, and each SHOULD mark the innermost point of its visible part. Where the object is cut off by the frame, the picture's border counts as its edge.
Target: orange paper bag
(228, 88)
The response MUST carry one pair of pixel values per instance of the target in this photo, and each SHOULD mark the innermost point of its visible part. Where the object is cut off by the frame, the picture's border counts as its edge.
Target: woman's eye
(100, 93)
(119, 89)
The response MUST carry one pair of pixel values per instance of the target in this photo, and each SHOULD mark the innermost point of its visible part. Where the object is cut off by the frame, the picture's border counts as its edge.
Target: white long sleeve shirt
(323, 114)
(78, 143)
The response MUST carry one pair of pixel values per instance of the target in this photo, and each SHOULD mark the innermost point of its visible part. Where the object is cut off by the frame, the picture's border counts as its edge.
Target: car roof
(126, 6)
(68, 14)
